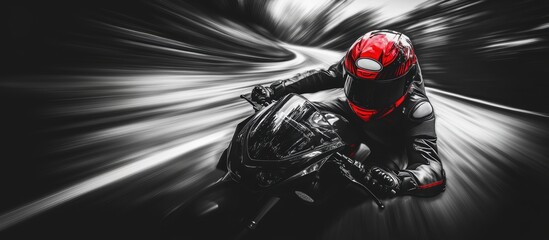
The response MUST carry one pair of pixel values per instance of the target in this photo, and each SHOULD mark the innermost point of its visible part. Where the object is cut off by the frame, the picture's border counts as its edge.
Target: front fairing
(280, 142)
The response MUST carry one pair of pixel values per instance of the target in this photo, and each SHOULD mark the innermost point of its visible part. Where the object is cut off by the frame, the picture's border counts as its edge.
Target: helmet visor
(374, 94)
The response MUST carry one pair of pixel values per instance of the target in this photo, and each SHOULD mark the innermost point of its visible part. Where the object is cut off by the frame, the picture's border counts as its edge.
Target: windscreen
(291, 128)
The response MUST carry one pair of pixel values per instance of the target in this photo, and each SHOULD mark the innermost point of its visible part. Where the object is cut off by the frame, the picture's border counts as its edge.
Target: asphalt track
(156, 136)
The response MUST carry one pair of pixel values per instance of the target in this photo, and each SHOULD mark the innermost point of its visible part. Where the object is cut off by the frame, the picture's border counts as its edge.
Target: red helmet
(379, 68)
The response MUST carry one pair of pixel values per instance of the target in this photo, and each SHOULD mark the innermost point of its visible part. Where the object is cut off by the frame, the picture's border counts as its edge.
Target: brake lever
(343, 161)
(256, 106)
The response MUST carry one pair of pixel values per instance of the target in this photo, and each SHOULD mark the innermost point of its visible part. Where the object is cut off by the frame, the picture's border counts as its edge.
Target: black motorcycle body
(287, 150)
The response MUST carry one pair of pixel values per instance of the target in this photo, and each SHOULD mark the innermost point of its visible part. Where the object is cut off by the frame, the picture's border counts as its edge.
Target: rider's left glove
(262, 95)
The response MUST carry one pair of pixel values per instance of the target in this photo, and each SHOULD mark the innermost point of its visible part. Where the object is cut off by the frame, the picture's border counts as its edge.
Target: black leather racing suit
(402, 141)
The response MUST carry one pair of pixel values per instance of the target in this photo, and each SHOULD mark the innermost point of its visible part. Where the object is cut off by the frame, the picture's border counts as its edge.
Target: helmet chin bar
(363, 113)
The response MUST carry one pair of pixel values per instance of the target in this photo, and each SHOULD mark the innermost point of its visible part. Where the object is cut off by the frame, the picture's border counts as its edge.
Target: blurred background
(115, 112)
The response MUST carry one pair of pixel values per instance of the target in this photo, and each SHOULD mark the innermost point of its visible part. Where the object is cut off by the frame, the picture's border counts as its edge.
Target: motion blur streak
(109, 177)
(487, 103)
(135, 106)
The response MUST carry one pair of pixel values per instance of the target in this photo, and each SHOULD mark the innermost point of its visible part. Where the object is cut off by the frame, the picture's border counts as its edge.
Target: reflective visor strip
(430, 185)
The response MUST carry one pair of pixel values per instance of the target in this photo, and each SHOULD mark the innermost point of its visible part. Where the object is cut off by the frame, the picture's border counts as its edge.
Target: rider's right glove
(390, 183)
(382, 180)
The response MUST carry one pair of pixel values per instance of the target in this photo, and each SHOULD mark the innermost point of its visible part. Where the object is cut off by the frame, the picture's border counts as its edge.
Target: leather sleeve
(311, 81)
(424, 175)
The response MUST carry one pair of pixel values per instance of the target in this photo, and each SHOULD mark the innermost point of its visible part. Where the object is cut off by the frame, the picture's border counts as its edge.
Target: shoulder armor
(421, 110)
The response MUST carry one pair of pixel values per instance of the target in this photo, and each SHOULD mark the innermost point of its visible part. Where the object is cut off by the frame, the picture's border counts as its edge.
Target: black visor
(375, 94)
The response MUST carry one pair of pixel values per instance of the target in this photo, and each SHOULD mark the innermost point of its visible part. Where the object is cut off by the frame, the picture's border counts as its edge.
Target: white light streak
(79, 189)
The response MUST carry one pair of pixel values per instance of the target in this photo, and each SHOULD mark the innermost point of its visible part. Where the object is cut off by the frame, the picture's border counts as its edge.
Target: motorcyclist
(386, 100)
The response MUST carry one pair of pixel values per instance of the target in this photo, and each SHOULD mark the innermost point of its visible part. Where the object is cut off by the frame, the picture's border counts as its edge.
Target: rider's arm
(310, 81)
(424, 175)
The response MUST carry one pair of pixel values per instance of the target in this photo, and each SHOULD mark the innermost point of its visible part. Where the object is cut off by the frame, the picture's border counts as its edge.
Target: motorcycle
(288, 149)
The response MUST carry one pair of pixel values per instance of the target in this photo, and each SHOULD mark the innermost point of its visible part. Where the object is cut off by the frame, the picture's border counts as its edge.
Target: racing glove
(389, 182)
(382, 180)
(262, 95)
(265, 95)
